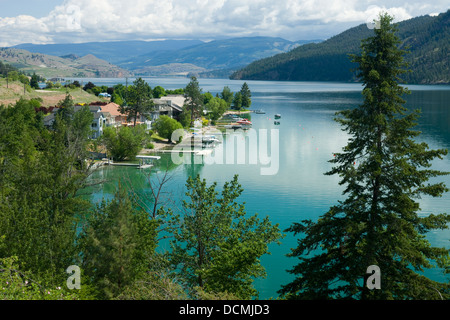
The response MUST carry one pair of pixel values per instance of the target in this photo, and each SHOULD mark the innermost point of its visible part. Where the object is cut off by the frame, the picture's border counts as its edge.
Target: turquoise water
(307, 139)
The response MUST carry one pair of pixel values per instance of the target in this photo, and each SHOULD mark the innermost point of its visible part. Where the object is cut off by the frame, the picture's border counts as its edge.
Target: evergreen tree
(194, 98)
(40, 174)
(237, 101)
(138, 100)
(246, 96)
(216, 245)
(66, 108)
(116, 244)
(384, 171)
(34, 82)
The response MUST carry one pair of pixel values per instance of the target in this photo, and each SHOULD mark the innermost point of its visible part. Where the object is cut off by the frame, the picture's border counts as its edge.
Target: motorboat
(244, 122)
(210, 139)
(277, 116)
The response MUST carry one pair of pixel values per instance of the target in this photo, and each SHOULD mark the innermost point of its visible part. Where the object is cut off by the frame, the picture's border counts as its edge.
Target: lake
(307, 137)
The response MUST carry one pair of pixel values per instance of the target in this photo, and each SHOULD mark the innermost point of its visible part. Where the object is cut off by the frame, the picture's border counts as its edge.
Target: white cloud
(96, 20)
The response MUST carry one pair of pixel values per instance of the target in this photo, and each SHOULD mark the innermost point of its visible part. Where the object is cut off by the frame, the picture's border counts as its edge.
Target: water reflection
(308, 137)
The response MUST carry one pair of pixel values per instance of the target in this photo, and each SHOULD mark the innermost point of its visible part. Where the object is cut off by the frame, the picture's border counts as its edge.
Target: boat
(210, 139)
(260, 112)
(277, 116)
(276, 122)
(244, 122)
(146, 161)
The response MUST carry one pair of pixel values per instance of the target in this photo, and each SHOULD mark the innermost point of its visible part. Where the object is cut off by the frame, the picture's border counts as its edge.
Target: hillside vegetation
(427, 38)
(174, 57)
(49, 97)
(51, 66)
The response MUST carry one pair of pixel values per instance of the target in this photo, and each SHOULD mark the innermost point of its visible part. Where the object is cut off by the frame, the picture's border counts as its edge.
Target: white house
(98, 122)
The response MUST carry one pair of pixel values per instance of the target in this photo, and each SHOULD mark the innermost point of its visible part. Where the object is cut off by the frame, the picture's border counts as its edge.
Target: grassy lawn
(50, 97)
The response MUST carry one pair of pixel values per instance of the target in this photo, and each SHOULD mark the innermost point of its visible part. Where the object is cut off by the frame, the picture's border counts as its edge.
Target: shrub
(165, 126)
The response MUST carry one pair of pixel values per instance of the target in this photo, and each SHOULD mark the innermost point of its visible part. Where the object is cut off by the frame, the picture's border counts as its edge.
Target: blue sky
(34, 8)
(58, 21)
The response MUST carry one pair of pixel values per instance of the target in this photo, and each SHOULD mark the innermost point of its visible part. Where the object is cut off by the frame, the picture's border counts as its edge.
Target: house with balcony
(99, 119)
(170, 105)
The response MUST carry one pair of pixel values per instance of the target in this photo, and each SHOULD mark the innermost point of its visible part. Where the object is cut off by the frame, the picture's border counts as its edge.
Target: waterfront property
(109, 115)
(308, 138)
(170, 105)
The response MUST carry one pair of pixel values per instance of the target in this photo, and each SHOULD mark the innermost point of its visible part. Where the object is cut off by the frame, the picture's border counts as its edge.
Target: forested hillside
(213, 55)
(426, 37)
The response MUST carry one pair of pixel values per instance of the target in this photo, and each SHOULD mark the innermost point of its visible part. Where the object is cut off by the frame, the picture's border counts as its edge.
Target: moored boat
(244, 122)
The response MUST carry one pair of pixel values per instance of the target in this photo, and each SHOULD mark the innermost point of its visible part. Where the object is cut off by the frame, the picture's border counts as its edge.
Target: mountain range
(214, 55)
(70, 65)
(427, 38)
(173, 57)
(249, 58)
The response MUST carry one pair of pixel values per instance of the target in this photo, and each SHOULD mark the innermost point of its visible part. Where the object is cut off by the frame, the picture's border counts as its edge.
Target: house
(99, 120)
(170, 105)
(49, 118)
(116, 118)
(109, 115)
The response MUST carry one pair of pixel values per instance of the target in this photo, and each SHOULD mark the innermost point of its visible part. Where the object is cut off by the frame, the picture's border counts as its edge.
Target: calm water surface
(308, 137)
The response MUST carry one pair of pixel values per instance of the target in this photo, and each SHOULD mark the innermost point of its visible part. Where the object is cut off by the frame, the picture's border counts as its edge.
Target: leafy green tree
(49, 85)
(158, 92)
(138, 100)
(217, 247)
(207, 96)
(13, 75)
(116, 243)
(384, 171)
(194, 98)
(20, 285)
(216, 107)
(165, 126)
(116, 98)
(227, 95)
(88, 86)
(175, 91)
(124, 142)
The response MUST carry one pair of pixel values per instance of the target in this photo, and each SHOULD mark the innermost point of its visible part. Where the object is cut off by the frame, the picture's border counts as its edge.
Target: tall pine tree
(194, 99)
(384, 171)
(138, 101)
(116, 244)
